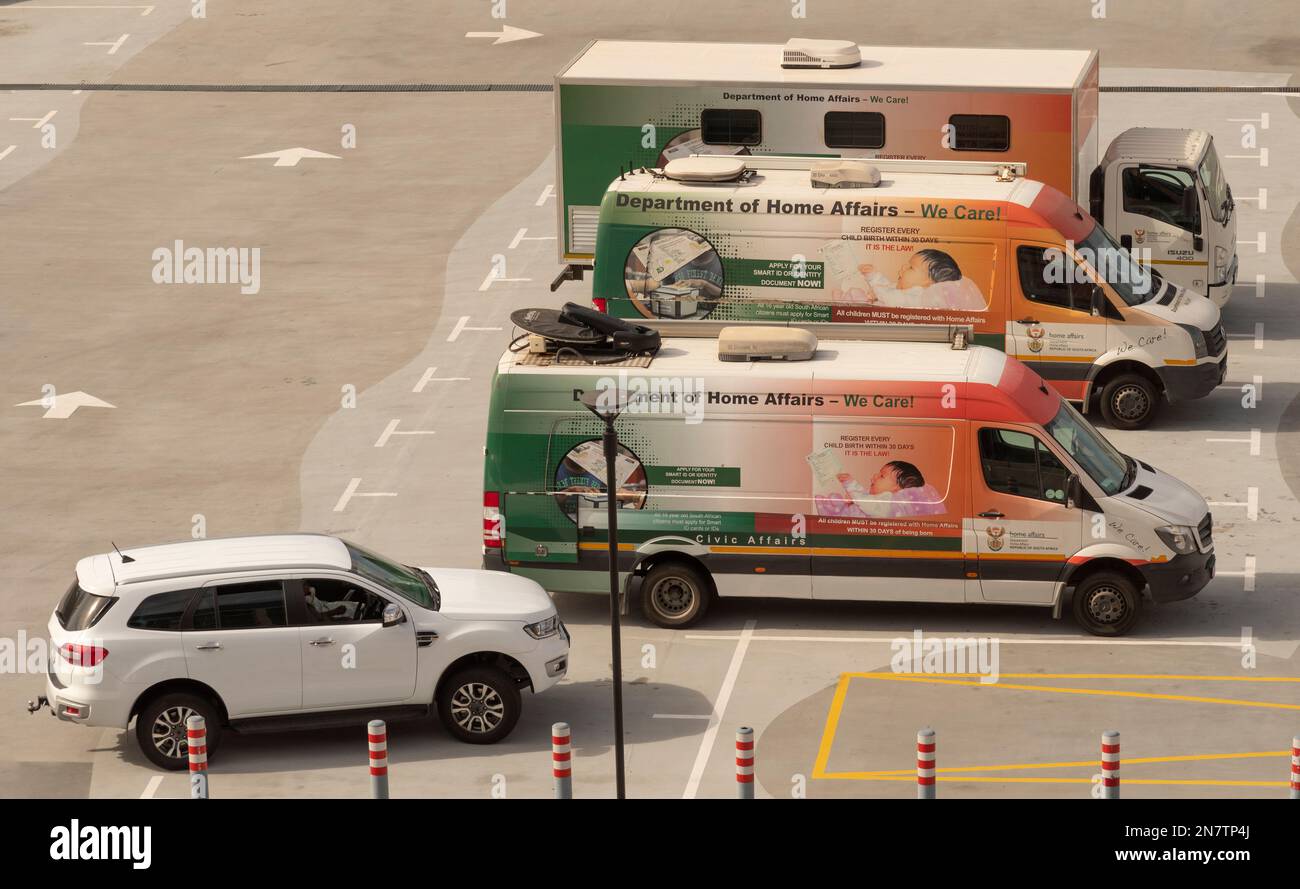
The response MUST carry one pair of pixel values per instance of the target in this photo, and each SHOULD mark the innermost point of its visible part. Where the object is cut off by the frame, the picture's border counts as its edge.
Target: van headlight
(1179, 538)
(543, 628)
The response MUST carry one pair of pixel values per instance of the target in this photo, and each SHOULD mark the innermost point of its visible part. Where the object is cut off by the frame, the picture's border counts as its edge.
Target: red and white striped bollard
(925, 786)
(744, 763)
(1110, 765)
(377, 736)
(196, 743)
(1295, 767)
(562, 760)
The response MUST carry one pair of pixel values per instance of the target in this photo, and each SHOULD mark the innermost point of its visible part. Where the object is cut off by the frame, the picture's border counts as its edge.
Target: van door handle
(208, 646)
(992, 514)
(323, 640)
(1026, 320)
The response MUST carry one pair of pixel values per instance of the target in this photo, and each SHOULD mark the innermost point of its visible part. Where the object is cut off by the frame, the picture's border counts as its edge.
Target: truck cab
(1163, 194)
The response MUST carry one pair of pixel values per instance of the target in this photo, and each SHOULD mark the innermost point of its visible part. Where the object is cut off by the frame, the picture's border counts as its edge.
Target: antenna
(125, 558)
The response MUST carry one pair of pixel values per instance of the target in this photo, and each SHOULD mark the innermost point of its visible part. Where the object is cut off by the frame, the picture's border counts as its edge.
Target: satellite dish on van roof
(701, 168)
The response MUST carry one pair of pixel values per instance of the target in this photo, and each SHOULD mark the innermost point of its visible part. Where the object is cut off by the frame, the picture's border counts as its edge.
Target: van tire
(1129, 401)
(1106, 604)
(674, 595)
(490, 690)
(168, 712)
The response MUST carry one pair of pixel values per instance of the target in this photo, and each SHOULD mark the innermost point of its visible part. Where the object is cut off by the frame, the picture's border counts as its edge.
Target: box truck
(910, 242)
(891, 465)
(627, 104)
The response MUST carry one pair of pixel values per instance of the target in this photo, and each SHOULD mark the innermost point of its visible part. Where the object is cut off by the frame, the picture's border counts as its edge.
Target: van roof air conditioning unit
(799, 52)
(844, 173)
(705, 168)
(758, 343)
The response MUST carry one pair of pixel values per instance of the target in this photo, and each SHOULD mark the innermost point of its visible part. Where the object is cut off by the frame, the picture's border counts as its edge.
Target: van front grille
(1205, 533)
(1216, 339)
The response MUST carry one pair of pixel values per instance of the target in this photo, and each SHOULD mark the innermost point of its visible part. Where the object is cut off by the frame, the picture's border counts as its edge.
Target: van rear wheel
(674, 595)
(1106, 604)
(1129, 401)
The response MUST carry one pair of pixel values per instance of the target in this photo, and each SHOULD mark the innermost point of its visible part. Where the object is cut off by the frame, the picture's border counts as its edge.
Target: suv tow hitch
(36, 705)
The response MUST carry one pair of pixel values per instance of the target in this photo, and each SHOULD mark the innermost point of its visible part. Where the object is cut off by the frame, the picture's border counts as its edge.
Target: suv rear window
(79, 610)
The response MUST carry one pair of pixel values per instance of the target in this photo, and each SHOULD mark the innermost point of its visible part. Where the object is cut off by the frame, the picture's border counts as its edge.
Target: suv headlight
(1179, 538)
(543, 628)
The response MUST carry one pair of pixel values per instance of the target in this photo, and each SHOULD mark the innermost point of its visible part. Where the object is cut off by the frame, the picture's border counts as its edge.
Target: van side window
(980, 132)
(731, 126)
(1166, 195)
(248, 606)
(1041, 279)
(854, 129)
(1019, 464)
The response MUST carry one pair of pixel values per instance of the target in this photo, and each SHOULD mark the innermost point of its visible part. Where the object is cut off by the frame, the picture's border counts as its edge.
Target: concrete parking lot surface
(233, 412)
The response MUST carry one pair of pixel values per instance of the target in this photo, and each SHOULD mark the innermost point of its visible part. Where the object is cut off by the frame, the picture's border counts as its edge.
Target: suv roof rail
(1001, 169)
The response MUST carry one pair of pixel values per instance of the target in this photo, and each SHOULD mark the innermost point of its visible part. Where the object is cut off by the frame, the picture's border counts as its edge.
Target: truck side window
(980, 132)
(1019, 464)
(1041, 279)
(853, 129)
(731, 126)
(1166, 195)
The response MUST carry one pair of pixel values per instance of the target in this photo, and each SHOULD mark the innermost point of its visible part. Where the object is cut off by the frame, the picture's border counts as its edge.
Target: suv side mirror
(393, 615)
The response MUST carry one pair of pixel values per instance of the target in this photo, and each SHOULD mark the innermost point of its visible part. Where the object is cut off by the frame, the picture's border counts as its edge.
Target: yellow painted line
(1033, 356)
(1178, 676)
(971, 779)
(832, 723)
(1101, 692)
(1203, 262)
(1087, 763)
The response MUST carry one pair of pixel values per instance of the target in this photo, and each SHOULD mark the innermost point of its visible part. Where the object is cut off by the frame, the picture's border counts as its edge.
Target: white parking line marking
(463, 325)
(146, 9)
(493, 277)
(519, 236)
(8, 151)
(152, 787)
(430, 378)
(1259, 286)
(680, 716)
(1263, 198)
(547, 192)
(1262, 157)
(114, 46)
(1251, 503)
(351, 491)
(719, 709)
(1248, 574)
(36, 122)
(1260, 242)
(391, 429)
(1254, 441)
(1262, 120)
(1257, 336)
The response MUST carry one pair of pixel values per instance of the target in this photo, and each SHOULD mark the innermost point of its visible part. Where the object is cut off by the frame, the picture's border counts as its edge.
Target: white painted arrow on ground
(507, 34)
(289, 157)
(63, 406)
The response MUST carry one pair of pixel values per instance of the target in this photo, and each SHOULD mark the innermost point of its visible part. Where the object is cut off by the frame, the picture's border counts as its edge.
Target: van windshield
(1104, 464)
(1216, 186)
(1117, 267)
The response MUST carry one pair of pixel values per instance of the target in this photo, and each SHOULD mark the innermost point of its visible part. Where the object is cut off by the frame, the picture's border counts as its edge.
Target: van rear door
(1024, 531)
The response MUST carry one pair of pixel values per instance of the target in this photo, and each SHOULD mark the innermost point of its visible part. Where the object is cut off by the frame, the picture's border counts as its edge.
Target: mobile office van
(876, 470)
(625, 104)
(911, 242)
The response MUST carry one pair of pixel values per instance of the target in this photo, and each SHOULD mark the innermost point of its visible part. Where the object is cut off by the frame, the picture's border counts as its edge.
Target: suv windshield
(1117, 267)
(409, 583)
(1089, 448)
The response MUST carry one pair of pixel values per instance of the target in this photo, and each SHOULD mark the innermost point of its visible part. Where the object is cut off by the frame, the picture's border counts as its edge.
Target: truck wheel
(1106, 604)
(1129, 401)
(674, 595)
(160, 728)
(479, 705)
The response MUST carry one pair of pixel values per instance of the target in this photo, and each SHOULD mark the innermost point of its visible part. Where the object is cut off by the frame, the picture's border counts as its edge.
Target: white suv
(293, 631)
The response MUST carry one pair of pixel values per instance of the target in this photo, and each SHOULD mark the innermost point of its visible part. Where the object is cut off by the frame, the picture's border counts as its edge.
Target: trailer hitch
(36, 705)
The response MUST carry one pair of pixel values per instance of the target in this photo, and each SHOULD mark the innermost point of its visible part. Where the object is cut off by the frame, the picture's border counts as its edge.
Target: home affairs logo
(90, 843)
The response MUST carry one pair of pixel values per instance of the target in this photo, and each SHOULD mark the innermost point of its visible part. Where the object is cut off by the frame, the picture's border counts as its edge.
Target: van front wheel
(1106, 604)
(674, 595)
(1129, 401)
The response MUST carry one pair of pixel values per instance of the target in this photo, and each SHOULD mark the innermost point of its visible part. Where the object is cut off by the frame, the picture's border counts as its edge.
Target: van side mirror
(1098, 301)
(1073, 489)
(393, 615)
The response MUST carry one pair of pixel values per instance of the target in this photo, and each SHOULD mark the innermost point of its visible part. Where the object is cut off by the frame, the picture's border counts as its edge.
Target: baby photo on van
(927, 279)
(896, 490)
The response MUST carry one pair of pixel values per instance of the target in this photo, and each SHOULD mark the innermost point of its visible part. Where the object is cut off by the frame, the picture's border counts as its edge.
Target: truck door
(1155, 211)
(1052, 322)
(1024, 531)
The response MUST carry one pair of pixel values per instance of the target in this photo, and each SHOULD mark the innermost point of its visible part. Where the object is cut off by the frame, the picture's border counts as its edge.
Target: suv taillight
(83, 655)
(493, 522)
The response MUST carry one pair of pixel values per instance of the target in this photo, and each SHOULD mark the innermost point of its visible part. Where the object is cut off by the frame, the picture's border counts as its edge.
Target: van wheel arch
(180, 686)
(1106, 563)
(654, 560)
(503, 662)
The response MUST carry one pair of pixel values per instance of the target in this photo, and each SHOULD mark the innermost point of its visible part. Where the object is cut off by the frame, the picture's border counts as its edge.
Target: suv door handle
(208, 646)
(992, 514)
(323, 640)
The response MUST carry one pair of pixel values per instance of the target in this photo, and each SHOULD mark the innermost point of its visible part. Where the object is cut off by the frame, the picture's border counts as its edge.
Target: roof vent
(704, 168)
(843, 173)
(801, 53)
(759, 343)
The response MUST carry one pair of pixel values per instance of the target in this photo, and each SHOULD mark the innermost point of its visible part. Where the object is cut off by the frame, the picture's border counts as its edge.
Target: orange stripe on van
(1181, 362)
